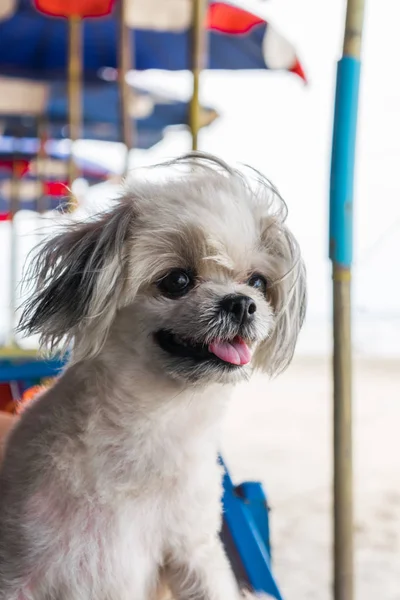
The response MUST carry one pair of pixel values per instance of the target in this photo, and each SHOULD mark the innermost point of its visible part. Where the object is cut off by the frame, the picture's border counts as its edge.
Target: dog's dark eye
(258, 282)
(177, 283)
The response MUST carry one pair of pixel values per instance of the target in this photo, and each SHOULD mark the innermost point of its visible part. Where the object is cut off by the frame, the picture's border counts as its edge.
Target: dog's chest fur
(124, 542)
(120, 499)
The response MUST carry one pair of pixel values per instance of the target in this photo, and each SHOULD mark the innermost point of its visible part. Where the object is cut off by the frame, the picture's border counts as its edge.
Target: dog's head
(197, 275)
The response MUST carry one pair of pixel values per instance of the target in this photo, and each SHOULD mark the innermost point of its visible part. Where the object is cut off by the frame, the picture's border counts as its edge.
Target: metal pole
(341, 249)
(74, 93)
(125, 62)
(197, 57)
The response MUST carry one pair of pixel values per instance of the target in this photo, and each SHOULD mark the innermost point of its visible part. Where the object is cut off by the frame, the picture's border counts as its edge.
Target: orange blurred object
(27, 397)
(75, 8)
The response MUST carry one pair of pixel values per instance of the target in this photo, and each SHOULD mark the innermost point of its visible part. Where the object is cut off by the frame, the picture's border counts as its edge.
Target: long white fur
(124, 487)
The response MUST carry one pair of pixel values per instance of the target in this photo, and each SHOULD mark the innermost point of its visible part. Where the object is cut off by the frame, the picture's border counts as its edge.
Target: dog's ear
(78, 277)
(288, 297)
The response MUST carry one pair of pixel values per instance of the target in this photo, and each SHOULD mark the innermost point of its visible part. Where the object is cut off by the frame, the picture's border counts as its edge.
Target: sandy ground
(280, 433)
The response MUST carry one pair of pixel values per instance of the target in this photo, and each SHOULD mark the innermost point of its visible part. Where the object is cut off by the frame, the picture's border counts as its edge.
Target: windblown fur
(110, 483)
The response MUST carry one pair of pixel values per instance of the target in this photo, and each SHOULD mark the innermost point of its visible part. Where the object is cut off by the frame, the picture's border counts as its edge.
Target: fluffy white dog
(110, 483)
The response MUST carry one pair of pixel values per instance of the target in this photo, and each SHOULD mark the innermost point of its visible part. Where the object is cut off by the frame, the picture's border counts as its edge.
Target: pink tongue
(235, 352)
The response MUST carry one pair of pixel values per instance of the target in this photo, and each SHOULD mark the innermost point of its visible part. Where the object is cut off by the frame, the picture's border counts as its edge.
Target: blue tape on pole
(343, 160)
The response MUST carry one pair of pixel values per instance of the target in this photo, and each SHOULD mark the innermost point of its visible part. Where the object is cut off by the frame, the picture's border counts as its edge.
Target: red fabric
(298, 70)
(6, 397)
(75, 8)
(56, 188)
(20, 166)
(51, 188)
(230, 19)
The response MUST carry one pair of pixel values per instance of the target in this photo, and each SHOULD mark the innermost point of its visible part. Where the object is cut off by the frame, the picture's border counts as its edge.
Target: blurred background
(266, 97)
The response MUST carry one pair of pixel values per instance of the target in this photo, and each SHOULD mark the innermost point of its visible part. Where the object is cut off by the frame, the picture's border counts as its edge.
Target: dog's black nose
(240, 307)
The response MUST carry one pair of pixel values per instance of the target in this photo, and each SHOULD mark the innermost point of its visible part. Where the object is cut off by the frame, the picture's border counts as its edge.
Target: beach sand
(280, 433)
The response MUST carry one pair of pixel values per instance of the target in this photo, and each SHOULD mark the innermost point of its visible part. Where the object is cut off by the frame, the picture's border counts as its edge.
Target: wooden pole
(14, 206)
(41, 159)
(125, 62)
(197, 58)
(341, 250)
(74, 93)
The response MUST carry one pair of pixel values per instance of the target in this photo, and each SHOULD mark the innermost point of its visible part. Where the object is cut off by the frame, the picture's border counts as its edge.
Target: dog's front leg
(202, 573)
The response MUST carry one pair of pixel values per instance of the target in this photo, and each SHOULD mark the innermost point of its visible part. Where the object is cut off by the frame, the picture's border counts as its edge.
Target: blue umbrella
(54, 189)
(101, 117)
(101, 121)
(26, 127)
(24, 150)
(237, 40)
(35, 46)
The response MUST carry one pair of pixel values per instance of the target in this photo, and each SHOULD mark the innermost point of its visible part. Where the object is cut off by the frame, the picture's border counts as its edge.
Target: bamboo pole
(341, 249)
(197, 57)
(74, 93)
(14, 206)
(41, 158)
(125, 64)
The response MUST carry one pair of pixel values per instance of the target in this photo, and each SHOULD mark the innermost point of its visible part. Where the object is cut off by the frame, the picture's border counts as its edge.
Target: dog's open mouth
(234, 352)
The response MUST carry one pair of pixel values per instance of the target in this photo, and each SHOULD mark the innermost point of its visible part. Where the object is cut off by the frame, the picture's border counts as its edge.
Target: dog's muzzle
(229, 347)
